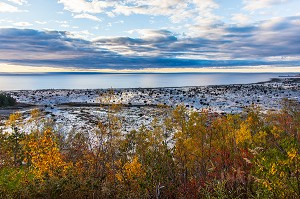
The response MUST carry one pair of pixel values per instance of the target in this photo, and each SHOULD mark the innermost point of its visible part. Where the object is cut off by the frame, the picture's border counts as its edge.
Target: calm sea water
(133, 80)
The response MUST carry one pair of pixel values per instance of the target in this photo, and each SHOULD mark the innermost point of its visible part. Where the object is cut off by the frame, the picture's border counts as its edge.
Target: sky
(144, 34)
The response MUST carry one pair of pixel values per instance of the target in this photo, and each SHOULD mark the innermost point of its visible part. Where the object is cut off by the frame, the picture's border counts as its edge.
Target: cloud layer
(271, 42)
(176, 10)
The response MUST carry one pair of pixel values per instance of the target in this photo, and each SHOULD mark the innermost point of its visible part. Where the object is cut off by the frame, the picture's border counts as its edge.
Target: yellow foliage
(46, 158)
(260, 137)
(292, 154)
(273, 169)
(243, 135)
(267, 185)
(13, 118)
(276, 132)
(35, 113)
(131, 171)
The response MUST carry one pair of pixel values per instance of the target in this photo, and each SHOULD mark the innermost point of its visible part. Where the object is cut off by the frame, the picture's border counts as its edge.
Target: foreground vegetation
(6, 100)
(188, 155)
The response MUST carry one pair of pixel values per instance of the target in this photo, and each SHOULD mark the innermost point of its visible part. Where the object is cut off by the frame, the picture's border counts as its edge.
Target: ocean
(87, 80)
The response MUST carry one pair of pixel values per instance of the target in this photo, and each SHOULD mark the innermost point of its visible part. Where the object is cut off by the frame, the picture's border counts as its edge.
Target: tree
(16, 137)
(6, 100)
(45, 157)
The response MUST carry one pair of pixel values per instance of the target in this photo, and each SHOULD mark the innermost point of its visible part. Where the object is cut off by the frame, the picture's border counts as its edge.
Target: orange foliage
(45, 157)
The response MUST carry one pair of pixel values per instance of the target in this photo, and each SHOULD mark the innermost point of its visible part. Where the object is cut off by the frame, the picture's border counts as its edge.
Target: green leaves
(185, 155)
(6, 100)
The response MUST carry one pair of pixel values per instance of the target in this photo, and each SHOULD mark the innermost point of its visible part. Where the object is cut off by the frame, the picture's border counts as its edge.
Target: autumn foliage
(183, 154)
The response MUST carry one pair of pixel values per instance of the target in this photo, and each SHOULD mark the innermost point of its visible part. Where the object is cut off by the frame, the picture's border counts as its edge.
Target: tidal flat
(83, 109)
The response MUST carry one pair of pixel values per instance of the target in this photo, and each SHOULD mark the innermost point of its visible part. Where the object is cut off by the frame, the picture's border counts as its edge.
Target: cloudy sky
(138, 34)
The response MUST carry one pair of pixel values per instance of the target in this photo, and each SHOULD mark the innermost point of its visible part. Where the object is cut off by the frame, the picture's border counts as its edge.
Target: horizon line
(25, 69)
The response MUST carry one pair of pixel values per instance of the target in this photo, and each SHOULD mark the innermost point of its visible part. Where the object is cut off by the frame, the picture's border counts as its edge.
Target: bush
(189, 155)
(6, 100)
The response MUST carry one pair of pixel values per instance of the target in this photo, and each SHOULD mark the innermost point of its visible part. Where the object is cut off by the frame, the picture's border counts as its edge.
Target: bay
(85, 80)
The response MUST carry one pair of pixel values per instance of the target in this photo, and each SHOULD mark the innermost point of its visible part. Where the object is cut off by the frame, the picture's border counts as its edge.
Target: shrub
(6, 100)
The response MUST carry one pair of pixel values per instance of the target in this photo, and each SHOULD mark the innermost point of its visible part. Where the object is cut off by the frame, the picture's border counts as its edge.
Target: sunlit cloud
(264, 43)
(87, 16)
(41, 22)
(19, 2)
(82, 6)
(133, 34)
(22, 24)
(240, 18)
(176, 10)
(5, 7)
(253, 5)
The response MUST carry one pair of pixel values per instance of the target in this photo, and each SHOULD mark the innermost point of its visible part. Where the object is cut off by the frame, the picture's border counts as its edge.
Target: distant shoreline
(13, 68)
(120, 73)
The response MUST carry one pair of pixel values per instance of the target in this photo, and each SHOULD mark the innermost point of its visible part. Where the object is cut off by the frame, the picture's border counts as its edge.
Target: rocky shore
(82, 109)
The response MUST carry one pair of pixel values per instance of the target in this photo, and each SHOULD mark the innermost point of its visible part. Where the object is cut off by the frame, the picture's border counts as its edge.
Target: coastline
(82, 108)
